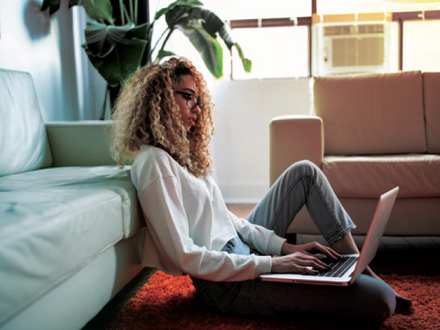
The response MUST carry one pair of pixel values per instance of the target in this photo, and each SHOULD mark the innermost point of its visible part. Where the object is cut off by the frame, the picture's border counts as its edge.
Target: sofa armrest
(294, 138)
(79, 143)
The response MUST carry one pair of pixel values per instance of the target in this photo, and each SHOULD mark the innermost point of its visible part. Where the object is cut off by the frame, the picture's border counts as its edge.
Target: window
(421, 45)
(276, 52)
(274, 37)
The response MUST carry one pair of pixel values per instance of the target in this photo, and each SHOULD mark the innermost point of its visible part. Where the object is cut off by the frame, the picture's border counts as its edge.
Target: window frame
(278, 22)
(402, 17)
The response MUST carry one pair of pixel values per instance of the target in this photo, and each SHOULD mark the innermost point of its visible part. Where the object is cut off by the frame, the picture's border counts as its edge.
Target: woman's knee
(303, 167)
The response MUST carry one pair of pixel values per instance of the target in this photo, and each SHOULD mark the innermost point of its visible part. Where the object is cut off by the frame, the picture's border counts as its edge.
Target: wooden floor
(241, 210)
(399, 255)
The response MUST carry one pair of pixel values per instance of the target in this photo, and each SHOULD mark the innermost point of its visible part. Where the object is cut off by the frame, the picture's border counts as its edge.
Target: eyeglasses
(191, 100)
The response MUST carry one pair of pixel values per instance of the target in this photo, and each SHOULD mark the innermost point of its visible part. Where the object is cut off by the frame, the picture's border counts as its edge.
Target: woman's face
(185, 94)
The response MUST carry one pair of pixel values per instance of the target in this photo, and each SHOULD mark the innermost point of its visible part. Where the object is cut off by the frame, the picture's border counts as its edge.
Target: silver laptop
(345, 272)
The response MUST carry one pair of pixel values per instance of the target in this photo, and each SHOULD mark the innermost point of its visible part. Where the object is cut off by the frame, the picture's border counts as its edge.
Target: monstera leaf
(115, 51)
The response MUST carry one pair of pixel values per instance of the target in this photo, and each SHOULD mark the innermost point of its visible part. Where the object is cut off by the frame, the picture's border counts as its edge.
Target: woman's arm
(311, 248)
(262, 239)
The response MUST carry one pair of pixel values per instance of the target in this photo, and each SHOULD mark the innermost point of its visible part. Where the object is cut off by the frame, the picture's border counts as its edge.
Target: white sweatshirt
(188, 223)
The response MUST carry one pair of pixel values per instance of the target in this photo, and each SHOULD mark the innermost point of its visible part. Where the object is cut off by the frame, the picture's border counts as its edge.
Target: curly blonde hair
(147, 114)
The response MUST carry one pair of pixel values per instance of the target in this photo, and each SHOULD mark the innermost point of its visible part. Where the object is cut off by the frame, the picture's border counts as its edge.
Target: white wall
(241, 142)
(31, 41)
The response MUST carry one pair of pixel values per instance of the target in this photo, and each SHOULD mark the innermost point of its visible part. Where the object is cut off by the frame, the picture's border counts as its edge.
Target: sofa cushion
(371, 114)
(368, 177)
(54, 221)
(431, 89)
(23, 141)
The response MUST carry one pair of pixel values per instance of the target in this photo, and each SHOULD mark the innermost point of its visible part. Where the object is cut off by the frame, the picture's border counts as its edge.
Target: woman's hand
(311, 248)
(300, 259)
(298, 263)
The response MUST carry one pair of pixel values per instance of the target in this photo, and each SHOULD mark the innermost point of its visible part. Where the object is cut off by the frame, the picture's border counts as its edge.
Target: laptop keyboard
(337, 267)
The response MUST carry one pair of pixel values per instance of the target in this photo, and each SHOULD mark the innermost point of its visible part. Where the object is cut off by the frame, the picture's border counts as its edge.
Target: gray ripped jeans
(303, 183)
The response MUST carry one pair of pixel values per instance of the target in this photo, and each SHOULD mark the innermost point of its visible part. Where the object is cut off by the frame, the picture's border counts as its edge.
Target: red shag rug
(168, 302)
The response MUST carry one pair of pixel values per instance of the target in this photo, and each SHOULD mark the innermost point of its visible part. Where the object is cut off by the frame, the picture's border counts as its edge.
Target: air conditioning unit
(351, 48)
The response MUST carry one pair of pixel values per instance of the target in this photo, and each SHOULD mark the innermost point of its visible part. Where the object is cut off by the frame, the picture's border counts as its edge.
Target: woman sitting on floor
(163, 123)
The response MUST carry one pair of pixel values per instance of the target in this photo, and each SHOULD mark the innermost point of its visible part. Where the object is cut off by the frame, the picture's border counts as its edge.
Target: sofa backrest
(431, 89)
(23, 141)
(371, 113)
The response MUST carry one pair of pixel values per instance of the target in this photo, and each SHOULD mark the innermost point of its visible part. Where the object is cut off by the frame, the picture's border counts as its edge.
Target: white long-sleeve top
(188, 223)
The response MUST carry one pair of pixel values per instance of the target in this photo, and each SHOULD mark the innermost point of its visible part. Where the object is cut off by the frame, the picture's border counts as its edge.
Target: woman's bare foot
(403, 304)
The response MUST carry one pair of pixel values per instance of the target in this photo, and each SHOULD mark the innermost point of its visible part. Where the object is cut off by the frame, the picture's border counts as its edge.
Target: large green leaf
(99, 10)
(182, 15)
(164, 53)
(247, 63)
(228, 40)
(115, 51)
(202, 27)
(208, 47)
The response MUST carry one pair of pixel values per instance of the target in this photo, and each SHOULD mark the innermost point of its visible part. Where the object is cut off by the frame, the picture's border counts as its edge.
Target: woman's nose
(197, 110)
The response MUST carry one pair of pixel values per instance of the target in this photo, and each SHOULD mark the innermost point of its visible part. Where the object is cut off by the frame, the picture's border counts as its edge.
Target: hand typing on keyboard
(302, 259)
(336, 268)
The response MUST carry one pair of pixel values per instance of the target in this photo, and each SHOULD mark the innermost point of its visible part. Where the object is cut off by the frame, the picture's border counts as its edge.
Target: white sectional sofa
(70, 228)
(370, 133)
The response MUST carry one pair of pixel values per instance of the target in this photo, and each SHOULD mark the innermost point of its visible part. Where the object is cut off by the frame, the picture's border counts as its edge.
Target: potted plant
(117, 50)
